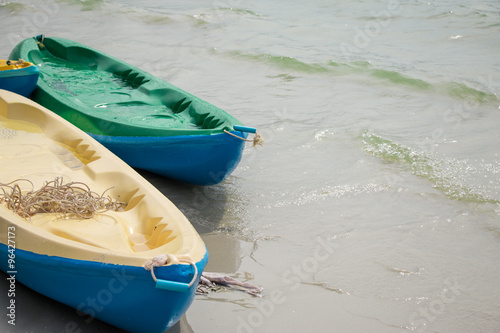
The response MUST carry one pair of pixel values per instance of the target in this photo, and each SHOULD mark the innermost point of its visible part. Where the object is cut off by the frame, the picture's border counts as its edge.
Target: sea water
(373, 205)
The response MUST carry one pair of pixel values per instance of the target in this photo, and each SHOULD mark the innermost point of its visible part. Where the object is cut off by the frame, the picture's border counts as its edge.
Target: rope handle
(166, 284)
(257, 139)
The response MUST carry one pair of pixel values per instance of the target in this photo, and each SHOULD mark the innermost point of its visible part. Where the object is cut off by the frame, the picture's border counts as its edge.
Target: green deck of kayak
(104, 95)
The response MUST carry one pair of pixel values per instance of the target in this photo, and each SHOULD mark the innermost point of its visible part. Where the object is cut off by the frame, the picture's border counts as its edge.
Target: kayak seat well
(81, 151)
(134, 79)
(106, 231)
(112, 230)
(160, 236)
(202, 115)
(151, 232)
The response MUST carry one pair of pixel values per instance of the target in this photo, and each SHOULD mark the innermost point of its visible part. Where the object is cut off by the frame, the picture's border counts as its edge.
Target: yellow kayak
(18, 76)
(140, 262)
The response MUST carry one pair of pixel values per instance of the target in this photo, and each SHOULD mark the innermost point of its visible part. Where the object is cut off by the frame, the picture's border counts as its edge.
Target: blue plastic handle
(172, 286)
(244, 129)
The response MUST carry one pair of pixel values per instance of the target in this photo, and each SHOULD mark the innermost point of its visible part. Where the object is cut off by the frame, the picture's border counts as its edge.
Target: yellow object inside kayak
(7, 65)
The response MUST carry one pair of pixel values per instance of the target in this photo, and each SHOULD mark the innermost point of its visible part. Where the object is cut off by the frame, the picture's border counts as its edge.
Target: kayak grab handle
(257, 140)
(244, 129)
(172, 286)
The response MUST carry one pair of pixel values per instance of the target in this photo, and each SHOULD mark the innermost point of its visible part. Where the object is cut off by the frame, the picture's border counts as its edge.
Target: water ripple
(332, 192)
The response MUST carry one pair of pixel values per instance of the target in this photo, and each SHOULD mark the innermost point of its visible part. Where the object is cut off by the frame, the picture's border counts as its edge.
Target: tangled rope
(212, 282)
(74, 199)
(257, 140)
(208, 281)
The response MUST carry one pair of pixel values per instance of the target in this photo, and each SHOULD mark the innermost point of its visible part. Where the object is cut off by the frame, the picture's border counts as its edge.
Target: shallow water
(374, 203)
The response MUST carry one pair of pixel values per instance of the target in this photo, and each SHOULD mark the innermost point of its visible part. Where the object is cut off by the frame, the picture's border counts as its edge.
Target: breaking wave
(453, 89)
(452, 176)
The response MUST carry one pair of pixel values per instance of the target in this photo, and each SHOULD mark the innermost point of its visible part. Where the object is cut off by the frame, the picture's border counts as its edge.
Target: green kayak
(148, 122)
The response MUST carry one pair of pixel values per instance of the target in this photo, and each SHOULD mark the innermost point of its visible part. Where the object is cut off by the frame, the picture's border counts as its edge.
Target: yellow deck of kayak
(13, 65)
(37, 145)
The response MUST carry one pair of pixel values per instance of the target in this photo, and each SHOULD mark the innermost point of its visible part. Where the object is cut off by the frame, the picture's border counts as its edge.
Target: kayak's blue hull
(21, 81)
(194, 159)
(123, 296)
